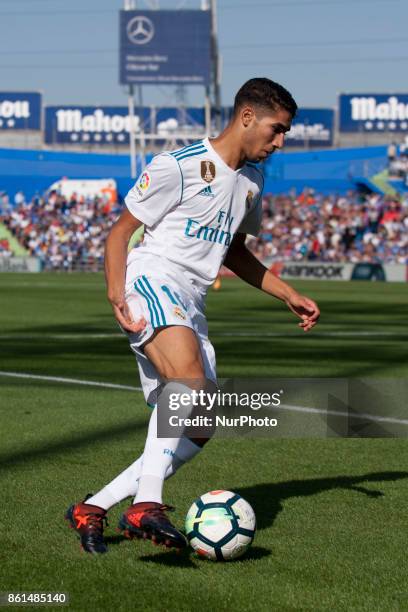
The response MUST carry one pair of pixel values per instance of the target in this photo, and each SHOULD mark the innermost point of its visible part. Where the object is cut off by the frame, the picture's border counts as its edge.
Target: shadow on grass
(171, 559)
(256, 552)
(353, 356)
(70, 443)
(268, 498)
(114, 540)
(187, 557)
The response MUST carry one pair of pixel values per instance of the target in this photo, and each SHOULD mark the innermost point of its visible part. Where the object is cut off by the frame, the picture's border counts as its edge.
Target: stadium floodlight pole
(155, 6)
(205, 6)
(128, 6)
(216, 65)
(307, 140)
(132, 135)
(336, 140)
(207, 111)
(142, 132)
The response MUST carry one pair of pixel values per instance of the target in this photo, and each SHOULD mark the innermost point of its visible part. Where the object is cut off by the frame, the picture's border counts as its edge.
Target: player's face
(265, 133)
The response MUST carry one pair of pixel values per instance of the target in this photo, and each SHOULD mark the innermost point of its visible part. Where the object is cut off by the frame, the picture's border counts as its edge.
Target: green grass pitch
(332, 531)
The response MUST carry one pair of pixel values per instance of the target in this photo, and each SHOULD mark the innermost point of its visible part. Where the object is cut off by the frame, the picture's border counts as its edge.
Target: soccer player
(197, 205)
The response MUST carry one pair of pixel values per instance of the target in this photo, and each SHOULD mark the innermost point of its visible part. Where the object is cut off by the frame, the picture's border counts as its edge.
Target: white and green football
(220, 525)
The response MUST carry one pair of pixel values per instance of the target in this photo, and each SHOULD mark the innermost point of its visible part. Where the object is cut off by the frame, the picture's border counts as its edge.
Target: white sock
(157, 458)
(119, 488)
(126, 483)
(185, 451)
(159, 452)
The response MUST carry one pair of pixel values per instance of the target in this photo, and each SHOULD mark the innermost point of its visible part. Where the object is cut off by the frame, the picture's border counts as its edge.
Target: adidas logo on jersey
(207, 191)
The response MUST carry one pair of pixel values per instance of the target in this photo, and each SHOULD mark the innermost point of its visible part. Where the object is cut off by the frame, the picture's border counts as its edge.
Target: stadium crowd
(350, 228)
(65, 232)
(398, 161)
(5, 248)
(62, 232)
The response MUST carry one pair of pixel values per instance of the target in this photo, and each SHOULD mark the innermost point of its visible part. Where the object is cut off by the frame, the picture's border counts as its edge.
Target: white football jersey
(192, 203)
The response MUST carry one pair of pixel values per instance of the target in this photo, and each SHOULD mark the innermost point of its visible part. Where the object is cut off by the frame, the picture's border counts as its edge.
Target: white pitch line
(74, 336)
(70, 381)
(363, 416)
(289, 407)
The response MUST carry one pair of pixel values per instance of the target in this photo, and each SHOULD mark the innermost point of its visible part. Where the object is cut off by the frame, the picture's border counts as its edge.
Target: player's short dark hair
(265, 94)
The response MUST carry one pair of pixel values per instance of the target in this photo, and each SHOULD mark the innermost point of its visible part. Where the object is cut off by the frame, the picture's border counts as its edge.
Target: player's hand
(305, 308)
(124, 317)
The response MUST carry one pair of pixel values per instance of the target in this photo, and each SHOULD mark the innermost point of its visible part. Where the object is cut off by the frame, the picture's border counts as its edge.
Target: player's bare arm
(245, 265)
(115, 269)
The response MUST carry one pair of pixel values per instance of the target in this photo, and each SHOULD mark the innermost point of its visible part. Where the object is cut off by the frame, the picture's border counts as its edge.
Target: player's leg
(126, 484)
(164, 456)
(176, 355)
(88, 517)
(84, 517)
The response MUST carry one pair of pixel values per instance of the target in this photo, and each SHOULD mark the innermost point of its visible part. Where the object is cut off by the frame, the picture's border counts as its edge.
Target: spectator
(392, 152)
(62, 232)
(19, 198)
(66, 233)
(316, 227)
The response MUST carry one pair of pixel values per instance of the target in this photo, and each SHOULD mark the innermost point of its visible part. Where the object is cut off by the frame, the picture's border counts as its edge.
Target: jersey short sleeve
(157, 190)
(251, 223)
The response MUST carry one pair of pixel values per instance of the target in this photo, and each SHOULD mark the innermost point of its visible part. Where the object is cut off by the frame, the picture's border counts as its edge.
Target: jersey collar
(209, 146)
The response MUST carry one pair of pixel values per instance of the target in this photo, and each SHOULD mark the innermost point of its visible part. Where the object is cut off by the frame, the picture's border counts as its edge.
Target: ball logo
(140, 30)
(207, 171)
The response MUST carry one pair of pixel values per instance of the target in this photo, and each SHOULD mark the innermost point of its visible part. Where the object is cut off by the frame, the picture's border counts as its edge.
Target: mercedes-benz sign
(140, 30)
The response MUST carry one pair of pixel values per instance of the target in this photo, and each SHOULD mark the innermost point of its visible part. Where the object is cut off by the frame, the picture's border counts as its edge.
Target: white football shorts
(164, 297)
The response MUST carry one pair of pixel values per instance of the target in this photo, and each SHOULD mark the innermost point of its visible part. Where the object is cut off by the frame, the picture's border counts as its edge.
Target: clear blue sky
(316, 48)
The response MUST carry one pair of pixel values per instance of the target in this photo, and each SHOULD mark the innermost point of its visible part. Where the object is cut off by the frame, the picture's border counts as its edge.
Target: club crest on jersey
(143, 183)
(179, 313)
(249, 200)
(207, 171)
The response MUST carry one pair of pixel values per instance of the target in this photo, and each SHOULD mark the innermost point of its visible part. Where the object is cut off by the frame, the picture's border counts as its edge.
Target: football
(220, 525)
